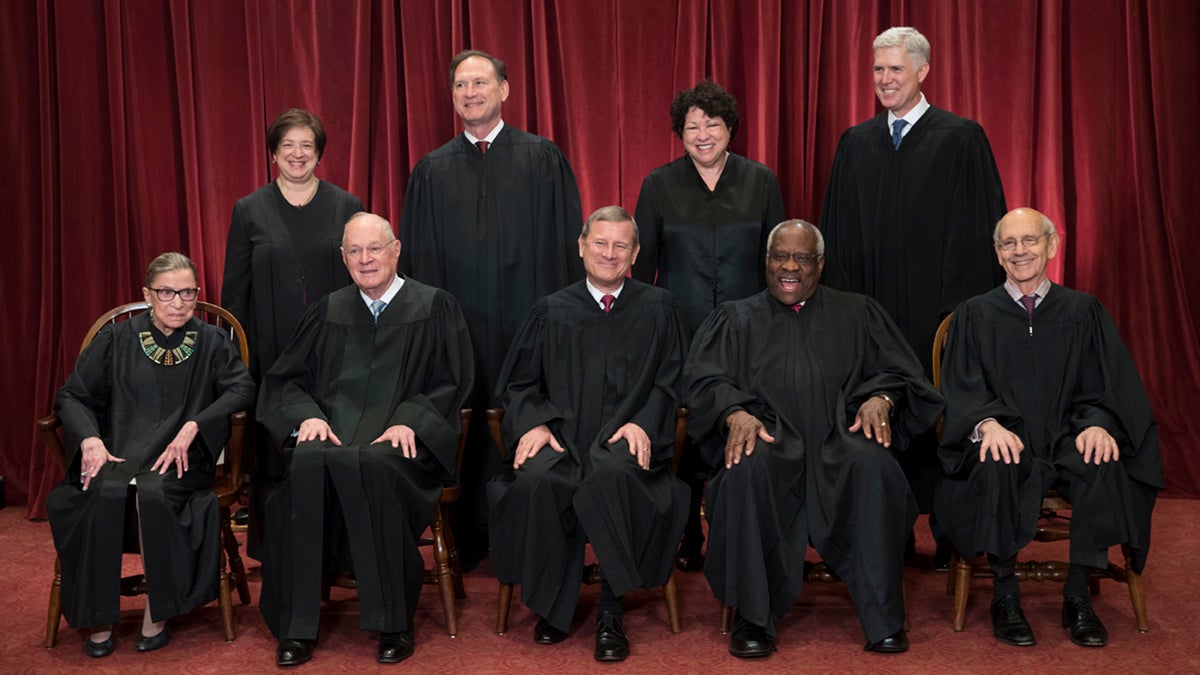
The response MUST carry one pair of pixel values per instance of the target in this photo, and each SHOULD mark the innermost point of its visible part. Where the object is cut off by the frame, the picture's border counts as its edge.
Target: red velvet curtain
(130, 128)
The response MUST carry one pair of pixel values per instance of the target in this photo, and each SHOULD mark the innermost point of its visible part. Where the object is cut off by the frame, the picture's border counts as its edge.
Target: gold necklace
(168, 357)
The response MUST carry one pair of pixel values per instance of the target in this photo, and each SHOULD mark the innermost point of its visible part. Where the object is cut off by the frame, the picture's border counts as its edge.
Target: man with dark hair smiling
(814, 391)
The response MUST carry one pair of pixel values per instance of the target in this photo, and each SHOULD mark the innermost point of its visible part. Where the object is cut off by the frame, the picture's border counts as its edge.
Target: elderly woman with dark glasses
(148, 405)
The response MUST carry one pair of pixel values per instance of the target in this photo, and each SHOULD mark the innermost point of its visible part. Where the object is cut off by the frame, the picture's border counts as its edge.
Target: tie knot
(607, 301)
(898, 132)
(796, 307)
(483, 146)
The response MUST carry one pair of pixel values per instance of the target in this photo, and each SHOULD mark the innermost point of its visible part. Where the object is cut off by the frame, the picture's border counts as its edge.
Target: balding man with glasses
(1041, 392)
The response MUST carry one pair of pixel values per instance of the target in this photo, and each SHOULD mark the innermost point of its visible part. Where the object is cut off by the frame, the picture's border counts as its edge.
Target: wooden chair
(1052, 526)
(591, 573)
(447, 572)
(225, 485)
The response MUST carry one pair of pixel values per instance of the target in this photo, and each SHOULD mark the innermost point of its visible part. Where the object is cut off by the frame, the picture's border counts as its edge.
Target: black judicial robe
(497, 231)
(278, 259)
(584, 374)
(413, 368)
(804, 375)
(1072, 373)
(912, 227)
(707, 246)
(137, 407)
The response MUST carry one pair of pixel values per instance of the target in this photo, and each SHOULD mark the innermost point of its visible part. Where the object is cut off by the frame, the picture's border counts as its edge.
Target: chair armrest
(681, 415)
(47, 430)
(233, 448)
(494, 417)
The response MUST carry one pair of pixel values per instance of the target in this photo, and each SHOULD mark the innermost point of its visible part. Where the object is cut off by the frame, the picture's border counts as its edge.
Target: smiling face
(296, 155)
(371, 253)
(788, 280)
(1031, 248)
(478, 94)
(897, 80)
(170, 315)
(705, 138)
(608, 252)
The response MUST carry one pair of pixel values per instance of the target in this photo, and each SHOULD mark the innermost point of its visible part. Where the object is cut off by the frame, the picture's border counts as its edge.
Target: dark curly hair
(709, 97)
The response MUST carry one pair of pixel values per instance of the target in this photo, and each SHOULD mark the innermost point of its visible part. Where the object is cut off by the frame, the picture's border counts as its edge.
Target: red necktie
(483, 146)
(796, 307)
(607, 301)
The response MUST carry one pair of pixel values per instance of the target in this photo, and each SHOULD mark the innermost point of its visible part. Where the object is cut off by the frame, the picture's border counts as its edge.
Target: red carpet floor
(820, 634)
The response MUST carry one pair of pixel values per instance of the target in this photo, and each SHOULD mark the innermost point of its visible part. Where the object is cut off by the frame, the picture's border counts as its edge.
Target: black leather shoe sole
(395, 647)
(545, 634)
(149, 644)
(98, 650)
(293, 652)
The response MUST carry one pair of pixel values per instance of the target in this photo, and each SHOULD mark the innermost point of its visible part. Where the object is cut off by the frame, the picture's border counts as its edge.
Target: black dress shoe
(395, 647)
(689, 558)
(893, 644)
(545, 634)
(611, 642)
(292, 652)
(98, 649)
(1009, 624)
(149, 644)
(749, 641)
(1085, 627)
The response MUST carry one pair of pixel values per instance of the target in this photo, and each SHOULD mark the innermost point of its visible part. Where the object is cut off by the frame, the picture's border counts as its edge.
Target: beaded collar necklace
(168, 357)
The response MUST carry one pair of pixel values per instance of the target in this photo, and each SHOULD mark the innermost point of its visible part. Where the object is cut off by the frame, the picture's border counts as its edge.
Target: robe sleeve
(235, 285)
(521, 387)
(433, 415)
(840, 218)
(83, 400)
(421, 252)
(568, 213)
(657, 416)
(774, 213)
(969, 398)
(889, 365)
(976, 204)
(650, 224)
(286, 397)
(712, 376)
(232, 388)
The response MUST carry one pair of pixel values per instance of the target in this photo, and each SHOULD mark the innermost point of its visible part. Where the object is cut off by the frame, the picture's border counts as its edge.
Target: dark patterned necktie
(483, 146)
(607, 301)
(1029, 301)
(796, 307)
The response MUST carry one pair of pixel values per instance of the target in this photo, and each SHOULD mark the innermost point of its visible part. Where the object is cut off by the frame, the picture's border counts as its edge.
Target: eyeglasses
(1028, 241)
(802, 259)
(374, 250)
(168, 294)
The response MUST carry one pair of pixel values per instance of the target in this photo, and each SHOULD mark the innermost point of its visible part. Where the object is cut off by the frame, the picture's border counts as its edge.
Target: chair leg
(951, 577)
(452, 550)
(726, 620)
(1137, 595)
(441, 559)
(237, 569)
(225, 596)
(504, 601)
(671, 596)
(54, 612)
(962, 588)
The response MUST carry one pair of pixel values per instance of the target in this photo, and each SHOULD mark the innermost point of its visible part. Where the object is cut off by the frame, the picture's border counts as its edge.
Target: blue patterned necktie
(377, 309)
(898, 132)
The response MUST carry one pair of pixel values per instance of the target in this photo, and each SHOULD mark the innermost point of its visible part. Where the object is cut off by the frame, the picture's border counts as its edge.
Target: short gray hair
(1047, 224)
(907, 37)
(169, 262)
(611, 214)
(802, 224)
(384, 225)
